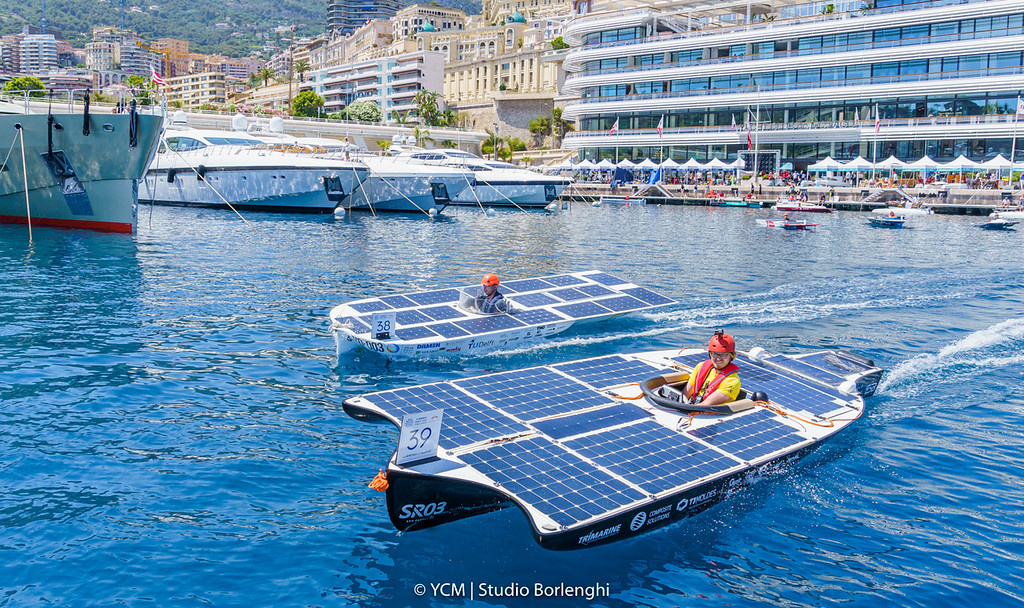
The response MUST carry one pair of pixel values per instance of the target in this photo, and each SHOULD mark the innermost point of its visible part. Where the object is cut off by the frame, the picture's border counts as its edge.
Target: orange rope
(640, 396)
(380, 481)
(768, 405)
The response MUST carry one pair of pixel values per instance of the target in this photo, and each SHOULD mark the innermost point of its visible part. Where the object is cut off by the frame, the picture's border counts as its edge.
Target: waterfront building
(803, 80)
(345, 16)
(194, 90)
(495, 11)
(427, 17)
(176, 56)
(38, 53)
(391, 82)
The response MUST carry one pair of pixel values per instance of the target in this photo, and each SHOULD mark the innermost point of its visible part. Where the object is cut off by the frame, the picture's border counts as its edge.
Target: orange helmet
(722, 342)
(489, 279)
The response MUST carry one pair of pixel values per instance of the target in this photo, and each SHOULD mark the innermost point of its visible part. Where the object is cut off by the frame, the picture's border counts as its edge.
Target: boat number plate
(383, 325)
(418, 440)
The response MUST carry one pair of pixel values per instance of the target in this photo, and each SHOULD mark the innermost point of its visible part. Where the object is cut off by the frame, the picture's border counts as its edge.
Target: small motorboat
(1008, 213)
(622, 200)
(792, 205)
(735, 203)
(600, 450)
(447, 322)
(889, 221)
(787, 224)
(907, 208)
(997, 223)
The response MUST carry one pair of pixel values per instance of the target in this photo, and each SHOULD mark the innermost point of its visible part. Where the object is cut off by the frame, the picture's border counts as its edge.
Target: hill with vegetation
(236, 28)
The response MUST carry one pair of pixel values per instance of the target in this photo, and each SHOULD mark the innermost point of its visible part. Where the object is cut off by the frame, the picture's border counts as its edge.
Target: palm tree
(421, 135)
(399, 118)
(384, 144)
(426, 105)
(265, 74)
(301, 66)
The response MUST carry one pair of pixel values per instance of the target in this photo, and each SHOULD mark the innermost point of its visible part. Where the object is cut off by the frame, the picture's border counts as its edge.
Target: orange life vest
(700, 375)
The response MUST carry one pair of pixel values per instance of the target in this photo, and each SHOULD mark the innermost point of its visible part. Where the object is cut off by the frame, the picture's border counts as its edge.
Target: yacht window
(183, 144)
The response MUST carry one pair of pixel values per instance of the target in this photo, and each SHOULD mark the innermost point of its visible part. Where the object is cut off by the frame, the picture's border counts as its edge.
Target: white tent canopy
(692, 165)
(717, 163)
(625, 163)
(998, 163)
(647, 164)
(826, 164)
(670, 164)
(605, 164)
(891, 163)
(922, 164)
(739, 163)
(858, 164)
(960, 163)
(586, 164)
(565, 164)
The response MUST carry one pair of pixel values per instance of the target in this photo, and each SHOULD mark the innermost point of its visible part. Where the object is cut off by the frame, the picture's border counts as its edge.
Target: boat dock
(978, 202)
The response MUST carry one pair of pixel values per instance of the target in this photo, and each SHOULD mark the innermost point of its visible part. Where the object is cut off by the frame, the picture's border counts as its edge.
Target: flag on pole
(733, 122)
(1020, 106)
(878, 120)
(856, 117)
(661, 123)
(750, 143)
(156, 77)
(615, 127)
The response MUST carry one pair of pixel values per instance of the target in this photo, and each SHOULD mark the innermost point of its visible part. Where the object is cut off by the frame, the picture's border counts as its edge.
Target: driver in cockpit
(491, 301)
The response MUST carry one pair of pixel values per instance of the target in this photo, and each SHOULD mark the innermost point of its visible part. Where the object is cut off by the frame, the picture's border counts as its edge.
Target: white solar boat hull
(431, 324)
(904, 210)
(588, 463)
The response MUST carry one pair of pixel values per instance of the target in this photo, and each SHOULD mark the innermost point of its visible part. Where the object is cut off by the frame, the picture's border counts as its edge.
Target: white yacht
(211, 168)
(496, 183)
(399, 182)
(73, 170)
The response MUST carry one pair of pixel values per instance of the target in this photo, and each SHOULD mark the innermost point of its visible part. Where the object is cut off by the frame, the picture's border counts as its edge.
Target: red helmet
(722, 342)
(489, 279)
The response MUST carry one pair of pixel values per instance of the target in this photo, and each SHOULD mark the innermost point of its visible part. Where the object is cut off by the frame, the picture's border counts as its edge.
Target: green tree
(384, 144)
(559, 44)
(307, 103)
(140, 89)
(399, 117)
(422, 136)
(427, 107)
(26, 83)
(447, 143)
(540, 126)
(515, 144)
(254, 80)
(301, 66)
(265, 74)
(364, 111)
(560, 127)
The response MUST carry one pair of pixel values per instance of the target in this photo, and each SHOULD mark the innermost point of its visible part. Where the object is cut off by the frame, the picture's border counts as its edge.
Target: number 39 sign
(418, 440)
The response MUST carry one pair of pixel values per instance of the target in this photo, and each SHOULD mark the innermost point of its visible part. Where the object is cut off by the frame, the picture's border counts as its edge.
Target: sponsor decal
(429, 509)
(429, 346)
(457, 349)
(638, 521)
(597, 535)
(473, 345)
(368, 345)
(392, 348)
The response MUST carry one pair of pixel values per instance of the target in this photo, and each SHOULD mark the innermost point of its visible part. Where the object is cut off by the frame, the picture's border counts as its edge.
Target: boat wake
(993, 348)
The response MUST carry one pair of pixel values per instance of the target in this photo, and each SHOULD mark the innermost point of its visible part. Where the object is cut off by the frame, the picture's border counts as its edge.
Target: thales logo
(638, 521)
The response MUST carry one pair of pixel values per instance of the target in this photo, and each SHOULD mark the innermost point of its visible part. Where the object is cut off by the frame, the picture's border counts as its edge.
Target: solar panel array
(550, 299)
(792, 394)
(554, 439)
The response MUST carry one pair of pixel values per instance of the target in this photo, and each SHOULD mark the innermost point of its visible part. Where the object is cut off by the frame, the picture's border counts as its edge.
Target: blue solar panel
(449, 330)
(411, 317)
(357, 325)
(466, 421)
(622, 303)
(538, 316)
(526, 285)
(435, 297)
(534, 299)
(568, 295)
(533, 393)
(582, 310)
(651, 456)
(369, 306)
(553, 480)
(646, 295)
(483, 325)
(440, 313)
(398, 301)
(595, 291)
(610, 371)
(807, 369)
(564, 280)
(561, 427)
(749, 436)
(604, 278)
(414, 333)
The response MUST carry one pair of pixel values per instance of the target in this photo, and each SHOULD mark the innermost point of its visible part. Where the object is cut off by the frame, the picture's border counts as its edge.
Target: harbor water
(171, 429)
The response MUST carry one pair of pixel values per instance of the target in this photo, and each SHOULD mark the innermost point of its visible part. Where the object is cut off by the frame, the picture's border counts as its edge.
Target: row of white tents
(927, 163)
(647, 164)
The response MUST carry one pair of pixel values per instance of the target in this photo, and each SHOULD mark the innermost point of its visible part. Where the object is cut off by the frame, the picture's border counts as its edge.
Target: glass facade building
(841, 79)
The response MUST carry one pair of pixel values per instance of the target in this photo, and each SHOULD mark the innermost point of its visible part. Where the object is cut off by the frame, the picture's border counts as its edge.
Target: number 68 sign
(418, 439)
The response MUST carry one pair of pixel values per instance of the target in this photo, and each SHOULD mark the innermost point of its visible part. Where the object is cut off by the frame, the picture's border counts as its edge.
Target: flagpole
(874, 147)
(1013, 146)
(757, 127)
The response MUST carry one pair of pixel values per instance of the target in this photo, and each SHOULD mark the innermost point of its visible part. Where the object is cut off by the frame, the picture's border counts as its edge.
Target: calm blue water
(171, 431)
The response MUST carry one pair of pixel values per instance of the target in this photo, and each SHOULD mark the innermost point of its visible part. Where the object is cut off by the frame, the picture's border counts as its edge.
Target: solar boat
(446, 322)
(596, 450)
(787, 224)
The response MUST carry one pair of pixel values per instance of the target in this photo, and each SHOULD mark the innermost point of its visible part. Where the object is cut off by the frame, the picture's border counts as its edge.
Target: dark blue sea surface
(171, 430)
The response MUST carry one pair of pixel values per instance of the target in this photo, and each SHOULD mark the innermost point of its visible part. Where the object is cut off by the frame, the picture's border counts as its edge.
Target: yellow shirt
(730, 386)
